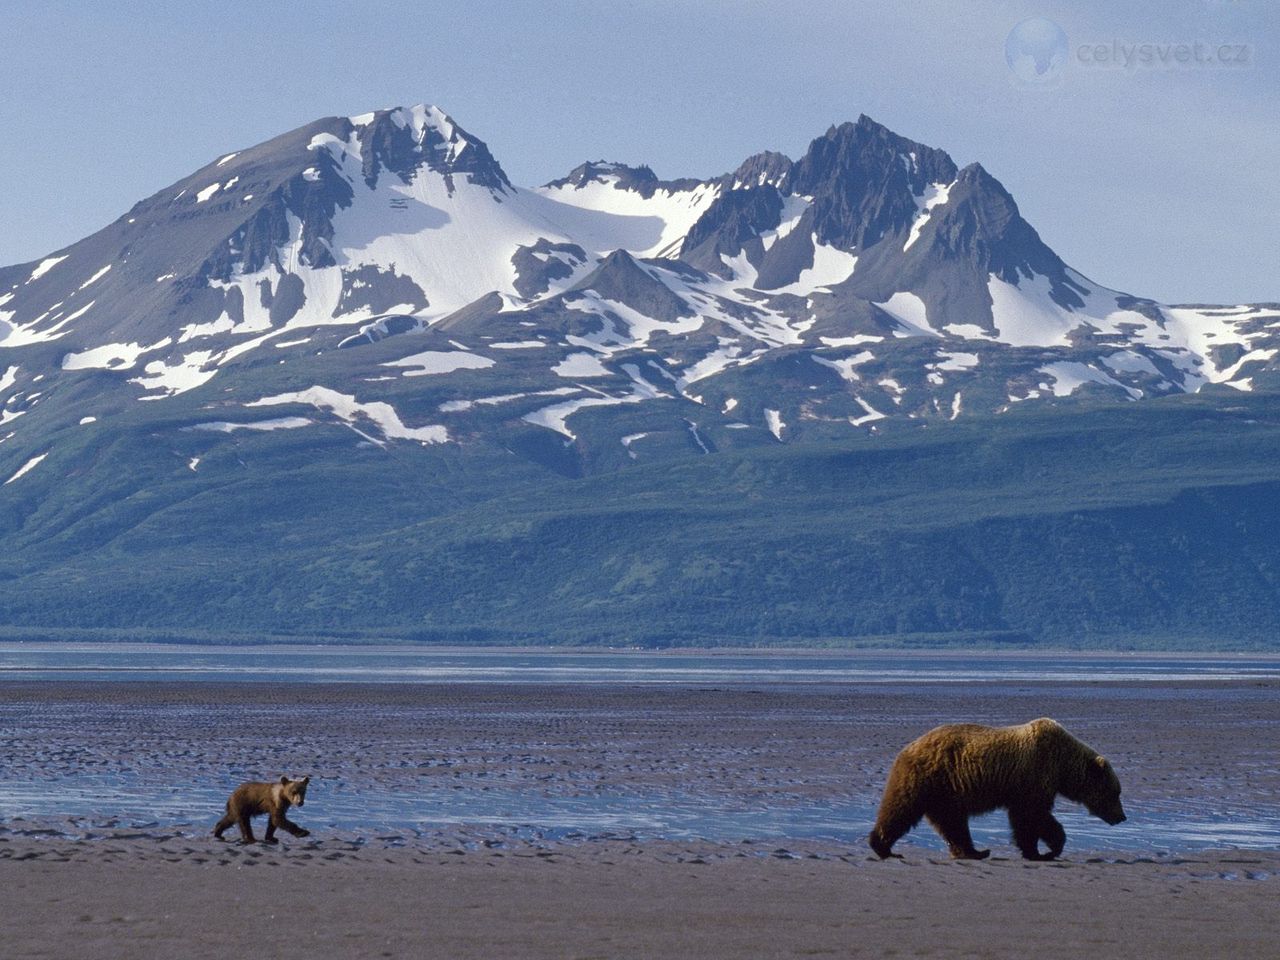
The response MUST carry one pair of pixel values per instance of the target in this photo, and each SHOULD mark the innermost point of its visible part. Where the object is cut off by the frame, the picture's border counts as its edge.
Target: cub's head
(1100, 792)
(295, 791)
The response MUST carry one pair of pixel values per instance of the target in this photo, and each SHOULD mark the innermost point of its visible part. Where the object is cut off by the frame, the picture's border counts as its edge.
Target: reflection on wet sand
(643, 762)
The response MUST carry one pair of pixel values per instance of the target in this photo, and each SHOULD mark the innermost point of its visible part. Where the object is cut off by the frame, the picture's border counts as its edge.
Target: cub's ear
(307, 778)
(284, 778)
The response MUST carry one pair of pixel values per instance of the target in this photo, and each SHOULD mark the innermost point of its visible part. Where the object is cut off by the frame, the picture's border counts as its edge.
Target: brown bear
(252, 799)
(961, 770)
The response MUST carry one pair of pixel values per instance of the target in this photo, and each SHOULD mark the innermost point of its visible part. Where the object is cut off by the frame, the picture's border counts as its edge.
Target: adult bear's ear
(1101, 761)
(307, 778)
(284, 778)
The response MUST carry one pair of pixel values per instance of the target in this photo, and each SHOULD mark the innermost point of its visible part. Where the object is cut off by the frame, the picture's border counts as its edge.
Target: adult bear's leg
(1030, 826)
(1026, 832)
(896, 817)
(952, 825)
(1052, 834)
(226, 822)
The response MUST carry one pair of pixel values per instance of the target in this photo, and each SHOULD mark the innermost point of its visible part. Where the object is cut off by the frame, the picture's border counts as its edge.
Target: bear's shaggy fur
(252, 799)
(961, 770)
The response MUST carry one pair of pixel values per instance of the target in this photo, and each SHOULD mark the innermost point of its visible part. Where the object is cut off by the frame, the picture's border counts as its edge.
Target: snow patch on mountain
(581, 365)
(431, 362)
(719, 301)
(950, 360)
(1026, 315)
(793, 208)
(171, 379)
(773, 420)
(458, 406)
(1128, 361)
(1253, 356)
(193, 331)
(110, 356)
(27, 468)
(729, 353)
(97, 275)
(23, 335)
(279, 423)
(1068, 376)
(602, 217)
(855, 340)
(910, 311)
(352, 412)
(638, 326)
(44, 266)
(845, 366)
(830, 267)
(869, 413)
(629, 439)
(556, 416)
(935, 195)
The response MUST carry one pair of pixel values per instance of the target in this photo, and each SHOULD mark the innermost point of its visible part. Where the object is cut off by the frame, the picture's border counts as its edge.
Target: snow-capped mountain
(381, 273)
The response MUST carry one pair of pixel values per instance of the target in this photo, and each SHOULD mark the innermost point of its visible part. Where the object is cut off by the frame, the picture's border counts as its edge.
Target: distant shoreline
(346, 645)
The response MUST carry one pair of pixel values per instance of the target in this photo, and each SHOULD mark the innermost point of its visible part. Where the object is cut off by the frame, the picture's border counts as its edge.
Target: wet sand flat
(107, 793)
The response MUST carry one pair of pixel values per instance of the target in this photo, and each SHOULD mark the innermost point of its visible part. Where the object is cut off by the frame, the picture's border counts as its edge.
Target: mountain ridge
(365, 294)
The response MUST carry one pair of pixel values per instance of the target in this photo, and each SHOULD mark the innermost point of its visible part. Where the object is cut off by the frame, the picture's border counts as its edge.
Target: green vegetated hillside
(1151, 525)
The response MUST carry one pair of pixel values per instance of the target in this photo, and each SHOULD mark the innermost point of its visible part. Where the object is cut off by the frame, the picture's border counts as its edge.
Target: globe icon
(1036, 51)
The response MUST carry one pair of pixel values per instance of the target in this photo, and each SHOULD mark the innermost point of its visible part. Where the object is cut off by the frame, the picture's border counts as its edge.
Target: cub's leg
(269, 836)
(227, 820)
(952, 825)
(279, 820)
(246, 828)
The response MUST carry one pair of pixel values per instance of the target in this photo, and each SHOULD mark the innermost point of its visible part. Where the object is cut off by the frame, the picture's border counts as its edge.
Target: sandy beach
(141, 898)
(138, 876)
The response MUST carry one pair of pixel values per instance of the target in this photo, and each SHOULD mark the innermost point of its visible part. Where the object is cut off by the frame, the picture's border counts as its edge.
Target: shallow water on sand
(672, 761)
(116, 803)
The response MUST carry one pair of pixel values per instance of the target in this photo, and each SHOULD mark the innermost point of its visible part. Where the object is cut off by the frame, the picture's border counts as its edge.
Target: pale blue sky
(1156, 180)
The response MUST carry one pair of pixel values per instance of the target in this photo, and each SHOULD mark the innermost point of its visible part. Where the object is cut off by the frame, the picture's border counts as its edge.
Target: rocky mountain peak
(864, 180)
(980, 223)
(403, 139)
(606, 171)
(620, 278)
(767, 167)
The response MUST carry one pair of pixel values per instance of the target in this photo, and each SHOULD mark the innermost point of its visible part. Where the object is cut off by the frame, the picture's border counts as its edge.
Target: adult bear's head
(1099, 791)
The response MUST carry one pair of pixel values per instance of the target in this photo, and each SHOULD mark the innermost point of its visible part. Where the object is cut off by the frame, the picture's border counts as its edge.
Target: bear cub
(961, 770)
(272, 798)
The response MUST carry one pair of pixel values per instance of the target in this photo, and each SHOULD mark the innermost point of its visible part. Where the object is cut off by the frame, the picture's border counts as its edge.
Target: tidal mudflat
(613, 819)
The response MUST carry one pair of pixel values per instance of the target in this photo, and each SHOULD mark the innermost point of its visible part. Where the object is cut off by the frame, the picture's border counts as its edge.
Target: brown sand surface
(95, 884)
(602, 900)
